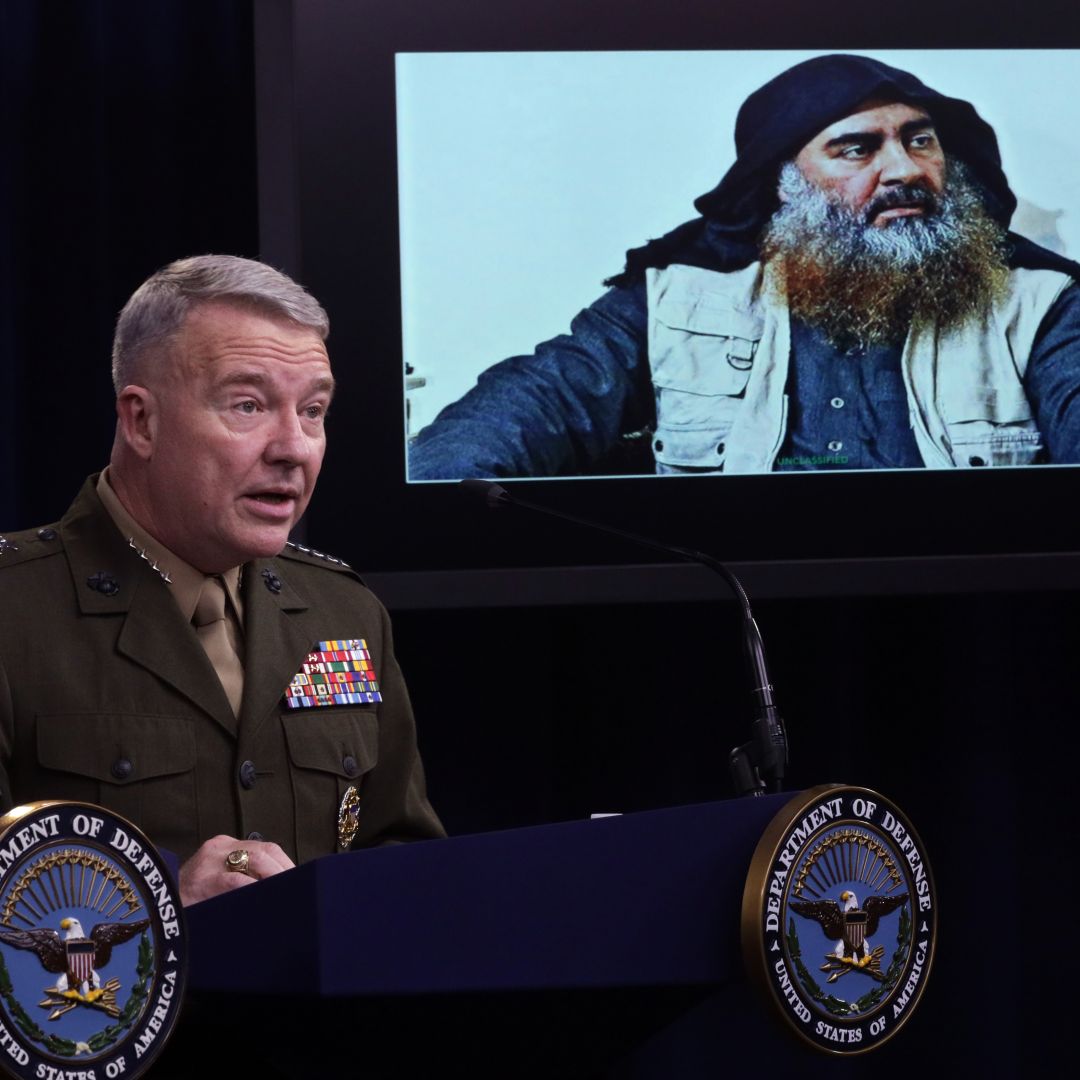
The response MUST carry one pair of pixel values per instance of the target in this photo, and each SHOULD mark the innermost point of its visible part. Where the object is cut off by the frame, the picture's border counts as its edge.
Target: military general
(165, 651)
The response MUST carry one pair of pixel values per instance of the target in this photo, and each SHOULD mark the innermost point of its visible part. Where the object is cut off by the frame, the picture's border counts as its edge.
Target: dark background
(131, 141)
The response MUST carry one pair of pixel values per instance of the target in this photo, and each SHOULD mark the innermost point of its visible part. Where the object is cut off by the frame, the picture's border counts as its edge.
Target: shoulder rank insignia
(338, 672)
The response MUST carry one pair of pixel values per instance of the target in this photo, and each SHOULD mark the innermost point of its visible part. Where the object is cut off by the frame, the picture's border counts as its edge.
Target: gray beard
(863, 284)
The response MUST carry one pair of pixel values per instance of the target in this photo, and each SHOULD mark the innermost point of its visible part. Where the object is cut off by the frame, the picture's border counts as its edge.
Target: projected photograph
(712, 263)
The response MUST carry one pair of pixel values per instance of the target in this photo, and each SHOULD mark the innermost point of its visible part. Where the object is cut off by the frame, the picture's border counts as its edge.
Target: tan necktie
(211, 625)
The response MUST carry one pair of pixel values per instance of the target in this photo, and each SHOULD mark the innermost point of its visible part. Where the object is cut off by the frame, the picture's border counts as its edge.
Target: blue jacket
(564, 410)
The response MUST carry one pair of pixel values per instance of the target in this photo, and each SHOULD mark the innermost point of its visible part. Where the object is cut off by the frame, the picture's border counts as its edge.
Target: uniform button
(247, 775)
(121, 768)
(837, 403)
(348, 763)
(720, 448)
(254, 835)
(658, 445)
(46, 534)
(976, 461)
(835, 446)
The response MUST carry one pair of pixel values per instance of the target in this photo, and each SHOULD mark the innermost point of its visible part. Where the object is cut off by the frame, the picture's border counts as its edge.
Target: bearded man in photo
(851, 297)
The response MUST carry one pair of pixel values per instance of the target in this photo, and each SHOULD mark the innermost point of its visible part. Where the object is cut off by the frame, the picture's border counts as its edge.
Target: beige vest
(719, 348)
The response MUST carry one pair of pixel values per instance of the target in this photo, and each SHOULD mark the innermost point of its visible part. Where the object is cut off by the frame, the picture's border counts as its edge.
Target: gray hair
(810, 216)
(157, 309)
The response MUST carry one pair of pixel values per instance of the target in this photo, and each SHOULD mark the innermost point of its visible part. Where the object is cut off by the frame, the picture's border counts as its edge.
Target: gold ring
(238, 861)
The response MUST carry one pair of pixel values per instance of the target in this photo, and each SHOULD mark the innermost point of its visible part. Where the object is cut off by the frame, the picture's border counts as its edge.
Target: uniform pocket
(992, 428)
(701, 362)
(328, 752)
(139, 766)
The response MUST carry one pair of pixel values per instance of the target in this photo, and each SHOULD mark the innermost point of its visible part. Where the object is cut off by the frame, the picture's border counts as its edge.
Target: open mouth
(277, 505)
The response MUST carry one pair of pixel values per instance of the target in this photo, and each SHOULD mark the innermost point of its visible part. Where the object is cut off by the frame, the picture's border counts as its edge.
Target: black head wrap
(778, 120)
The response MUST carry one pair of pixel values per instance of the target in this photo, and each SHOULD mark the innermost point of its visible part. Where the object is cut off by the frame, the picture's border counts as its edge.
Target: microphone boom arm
(757, 765)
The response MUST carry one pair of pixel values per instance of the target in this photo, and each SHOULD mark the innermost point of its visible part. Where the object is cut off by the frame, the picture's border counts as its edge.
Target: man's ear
(136, 415)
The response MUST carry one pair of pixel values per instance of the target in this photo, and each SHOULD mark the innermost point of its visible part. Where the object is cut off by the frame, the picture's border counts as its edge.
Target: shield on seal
(80, 961)
(855, 929)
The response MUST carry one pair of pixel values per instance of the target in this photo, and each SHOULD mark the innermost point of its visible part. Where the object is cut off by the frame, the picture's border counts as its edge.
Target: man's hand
(204, 874)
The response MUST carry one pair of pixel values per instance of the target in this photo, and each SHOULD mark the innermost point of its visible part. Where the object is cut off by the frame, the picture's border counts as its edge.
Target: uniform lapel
(279, 631)
(155, 634)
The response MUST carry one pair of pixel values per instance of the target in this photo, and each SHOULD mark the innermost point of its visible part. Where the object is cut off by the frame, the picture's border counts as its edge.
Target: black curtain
(131, 142)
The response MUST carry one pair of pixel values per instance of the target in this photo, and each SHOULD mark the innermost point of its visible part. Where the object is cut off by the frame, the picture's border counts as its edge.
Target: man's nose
(897, 166)
(288, 441)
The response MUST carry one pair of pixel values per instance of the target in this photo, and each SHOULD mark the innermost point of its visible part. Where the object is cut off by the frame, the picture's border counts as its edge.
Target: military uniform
(106, 696)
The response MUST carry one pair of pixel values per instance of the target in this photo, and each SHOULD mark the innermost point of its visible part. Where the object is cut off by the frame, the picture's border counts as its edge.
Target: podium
(602, 948)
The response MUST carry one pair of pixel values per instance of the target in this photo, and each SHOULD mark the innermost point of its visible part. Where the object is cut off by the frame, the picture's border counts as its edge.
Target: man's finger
(234, 881)
(263, 859)
(275, 855)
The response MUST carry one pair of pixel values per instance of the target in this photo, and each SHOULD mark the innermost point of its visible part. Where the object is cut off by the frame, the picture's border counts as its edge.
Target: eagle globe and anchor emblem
(92, 945)
(840, 918)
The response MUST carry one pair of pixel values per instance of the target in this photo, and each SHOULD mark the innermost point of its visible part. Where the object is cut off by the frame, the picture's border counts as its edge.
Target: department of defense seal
(92, 945)
(839, 917)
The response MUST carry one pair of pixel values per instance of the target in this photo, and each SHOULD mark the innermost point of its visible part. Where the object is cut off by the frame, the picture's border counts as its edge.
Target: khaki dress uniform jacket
(107, 696)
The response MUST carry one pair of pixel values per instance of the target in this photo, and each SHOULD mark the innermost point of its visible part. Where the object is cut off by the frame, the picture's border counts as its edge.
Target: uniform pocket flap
(346, 744)
(697, 449)
(116, 748)
(704, 375)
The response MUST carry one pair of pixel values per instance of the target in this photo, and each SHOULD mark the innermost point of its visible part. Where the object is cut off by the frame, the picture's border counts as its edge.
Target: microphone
(756, 765)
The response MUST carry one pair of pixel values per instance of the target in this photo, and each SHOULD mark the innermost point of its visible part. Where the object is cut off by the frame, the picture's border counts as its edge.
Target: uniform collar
(186, 583)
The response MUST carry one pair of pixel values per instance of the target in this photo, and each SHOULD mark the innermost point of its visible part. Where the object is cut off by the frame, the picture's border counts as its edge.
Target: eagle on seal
(850, 927)
(76, 958)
